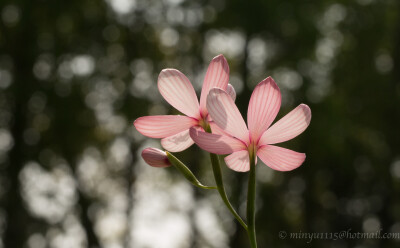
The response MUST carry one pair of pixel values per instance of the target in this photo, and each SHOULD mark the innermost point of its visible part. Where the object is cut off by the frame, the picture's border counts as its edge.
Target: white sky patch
(37, 240)
(384, 63)
(11, 15)
(6, 140)
(70, 234)
(231, 43)
(371, 224)
(290, 79)
(395, 169)
(48, 194)
(5, 79)
(119, 154)
(326, 51)
(111, 226)
(122, 7)
(173, 2)
(160, 217)
(169, 37)
(258, 52)
(97, 177)
(82, 65)
(207, 220)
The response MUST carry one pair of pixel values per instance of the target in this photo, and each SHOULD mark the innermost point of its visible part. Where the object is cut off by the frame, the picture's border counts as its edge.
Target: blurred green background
(75, 74)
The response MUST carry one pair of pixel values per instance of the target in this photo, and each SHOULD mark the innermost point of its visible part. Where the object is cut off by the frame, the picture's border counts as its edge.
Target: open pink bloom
(155, 157)
(238, 140)
(177, 90)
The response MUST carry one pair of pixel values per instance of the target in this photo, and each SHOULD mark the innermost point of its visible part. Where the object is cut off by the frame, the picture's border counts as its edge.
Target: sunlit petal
(215, 143)
(263, 107)
(226, 115)
(177, 142)
(177, 90)
(279, 158)
(217, 76)
(238, 161)
(291, 125)
(162, 126)
(231, 91)
(217, 130)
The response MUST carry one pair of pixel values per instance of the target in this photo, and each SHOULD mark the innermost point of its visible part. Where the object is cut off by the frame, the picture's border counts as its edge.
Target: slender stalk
(220, 184)
(221, 189)
(251, 199)
(186, 172)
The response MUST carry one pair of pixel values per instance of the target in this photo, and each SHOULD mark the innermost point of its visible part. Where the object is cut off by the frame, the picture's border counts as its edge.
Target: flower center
(252, 148)
(204, 123)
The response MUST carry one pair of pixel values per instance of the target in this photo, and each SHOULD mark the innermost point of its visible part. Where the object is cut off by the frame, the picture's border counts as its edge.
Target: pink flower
(238, 140)
(155, 157)
(177, 90)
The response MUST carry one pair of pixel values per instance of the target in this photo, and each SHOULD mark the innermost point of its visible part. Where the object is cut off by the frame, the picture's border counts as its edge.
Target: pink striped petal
(238, 161)
(263, 107)
(155, 157)
(177, 142)
(215, 143)
(178, 91)
(215, 129)
(288, 127)
(226, 115)
(231, 91)
(162, 126)
(217, 76)
(279, 158)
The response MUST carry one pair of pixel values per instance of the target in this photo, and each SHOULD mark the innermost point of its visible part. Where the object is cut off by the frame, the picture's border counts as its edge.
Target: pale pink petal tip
(264, 105)
(231, 92)
(217, 76)
(155, 157)
(177, 90)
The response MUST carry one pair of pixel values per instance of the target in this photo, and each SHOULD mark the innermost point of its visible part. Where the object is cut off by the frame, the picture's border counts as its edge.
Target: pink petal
(217, 76)
(263, 107)
(226, 115)
(215, 143)
(279, 158)
(231, 91)
(178, 91)
(161, 126)
(215, 129)
(288, 127)
(177, 142)
(238, 161)
(155, 157)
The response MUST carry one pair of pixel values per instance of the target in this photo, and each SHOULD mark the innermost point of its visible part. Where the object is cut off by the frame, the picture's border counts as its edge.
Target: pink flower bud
(155, 157)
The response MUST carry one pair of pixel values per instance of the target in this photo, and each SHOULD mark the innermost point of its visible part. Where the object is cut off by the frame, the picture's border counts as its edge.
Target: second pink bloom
(238, 140)
(177, 90)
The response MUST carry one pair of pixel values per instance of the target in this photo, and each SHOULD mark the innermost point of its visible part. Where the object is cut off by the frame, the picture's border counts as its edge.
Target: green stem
(251, 199)
(186, 172)
(221, 189)
(220, 183)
